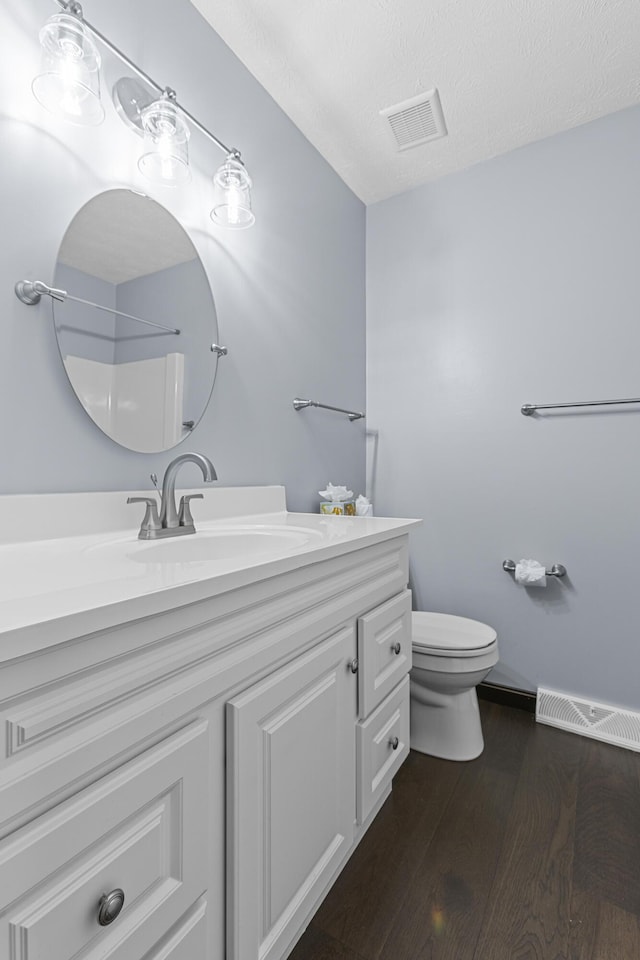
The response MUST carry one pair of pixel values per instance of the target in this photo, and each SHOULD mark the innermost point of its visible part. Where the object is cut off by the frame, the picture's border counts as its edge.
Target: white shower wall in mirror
(139, 402)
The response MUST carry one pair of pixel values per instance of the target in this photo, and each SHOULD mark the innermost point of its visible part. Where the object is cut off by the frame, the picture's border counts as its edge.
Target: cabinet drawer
(141, 829)
(378, 759)
(384, 651)
(188, 941)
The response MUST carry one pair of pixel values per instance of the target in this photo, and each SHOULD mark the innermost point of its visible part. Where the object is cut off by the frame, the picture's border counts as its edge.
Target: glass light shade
(166, 144)
(68, 84)
(232, 202)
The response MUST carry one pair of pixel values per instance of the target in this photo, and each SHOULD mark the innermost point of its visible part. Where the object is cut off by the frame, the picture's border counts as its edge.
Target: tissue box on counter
(343, 508)
(338, 501)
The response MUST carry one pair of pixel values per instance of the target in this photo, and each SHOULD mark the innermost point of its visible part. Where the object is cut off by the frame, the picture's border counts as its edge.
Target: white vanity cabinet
(304, 773)
(217, 761)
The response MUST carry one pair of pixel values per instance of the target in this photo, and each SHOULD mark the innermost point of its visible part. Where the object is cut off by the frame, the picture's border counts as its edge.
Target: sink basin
(223, 543)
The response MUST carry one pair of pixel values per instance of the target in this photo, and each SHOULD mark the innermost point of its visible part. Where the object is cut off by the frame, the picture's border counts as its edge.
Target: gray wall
(289, 293)
(517, 281)
(81, 331)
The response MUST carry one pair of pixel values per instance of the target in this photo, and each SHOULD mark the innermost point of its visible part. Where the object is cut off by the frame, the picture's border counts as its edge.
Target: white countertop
(55, 589)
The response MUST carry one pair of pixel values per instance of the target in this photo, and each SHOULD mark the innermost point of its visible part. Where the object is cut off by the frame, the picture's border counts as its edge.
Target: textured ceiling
(509, 72)
(121, 235)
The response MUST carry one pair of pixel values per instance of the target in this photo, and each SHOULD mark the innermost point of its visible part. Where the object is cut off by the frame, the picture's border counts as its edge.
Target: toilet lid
(442, 631)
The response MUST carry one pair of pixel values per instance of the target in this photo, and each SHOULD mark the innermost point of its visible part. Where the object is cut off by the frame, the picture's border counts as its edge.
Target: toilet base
(448, 727)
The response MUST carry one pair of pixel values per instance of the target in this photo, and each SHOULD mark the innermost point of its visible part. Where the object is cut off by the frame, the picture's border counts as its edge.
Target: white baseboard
(589, 718)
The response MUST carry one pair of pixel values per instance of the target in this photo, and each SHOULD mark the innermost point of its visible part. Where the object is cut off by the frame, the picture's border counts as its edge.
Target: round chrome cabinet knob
(353, 665)
(110, 906)
(394, 743)
(396, 648)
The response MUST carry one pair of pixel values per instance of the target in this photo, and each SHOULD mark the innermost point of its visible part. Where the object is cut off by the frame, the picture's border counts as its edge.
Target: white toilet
(451, 655)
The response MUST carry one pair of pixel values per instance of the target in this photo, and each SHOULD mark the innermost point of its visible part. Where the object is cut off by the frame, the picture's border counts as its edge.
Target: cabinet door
(291, 795)
(384, 650)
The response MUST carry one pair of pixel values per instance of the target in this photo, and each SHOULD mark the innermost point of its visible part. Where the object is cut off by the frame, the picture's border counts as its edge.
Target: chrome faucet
(171, 522)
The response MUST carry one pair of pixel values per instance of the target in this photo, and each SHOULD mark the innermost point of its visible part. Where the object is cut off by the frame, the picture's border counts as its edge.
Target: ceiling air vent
(416, 121)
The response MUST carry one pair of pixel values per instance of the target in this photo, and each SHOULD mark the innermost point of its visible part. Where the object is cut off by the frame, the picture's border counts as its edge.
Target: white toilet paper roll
(530, 573)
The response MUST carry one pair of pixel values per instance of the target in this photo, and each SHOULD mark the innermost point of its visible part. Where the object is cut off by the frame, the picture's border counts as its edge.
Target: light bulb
(234, 204)
(68, 84)
(165, 158)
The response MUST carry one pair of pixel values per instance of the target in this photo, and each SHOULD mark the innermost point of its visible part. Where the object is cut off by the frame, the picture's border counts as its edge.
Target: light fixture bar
(75, 9)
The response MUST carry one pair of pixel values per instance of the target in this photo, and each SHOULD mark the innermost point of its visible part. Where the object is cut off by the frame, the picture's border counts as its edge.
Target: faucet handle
(151, 520)
(184, 517)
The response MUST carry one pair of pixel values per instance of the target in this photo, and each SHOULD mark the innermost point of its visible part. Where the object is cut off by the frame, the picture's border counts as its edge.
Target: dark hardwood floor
(530, 852)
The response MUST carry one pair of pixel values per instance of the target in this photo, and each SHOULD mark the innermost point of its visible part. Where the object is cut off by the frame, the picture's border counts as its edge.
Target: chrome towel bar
(557, 570)
(527, 409)
(299, 404)
(32, 291)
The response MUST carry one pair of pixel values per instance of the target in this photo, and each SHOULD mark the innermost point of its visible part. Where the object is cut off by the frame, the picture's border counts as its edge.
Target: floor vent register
(589, 718)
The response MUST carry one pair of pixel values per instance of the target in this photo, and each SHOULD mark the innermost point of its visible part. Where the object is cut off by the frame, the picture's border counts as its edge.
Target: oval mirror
(137, 326)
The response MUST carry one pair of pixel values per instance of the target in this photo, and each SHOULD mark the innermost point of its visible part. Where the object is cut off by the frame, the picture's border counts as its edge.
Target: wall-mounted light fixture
(68, 85)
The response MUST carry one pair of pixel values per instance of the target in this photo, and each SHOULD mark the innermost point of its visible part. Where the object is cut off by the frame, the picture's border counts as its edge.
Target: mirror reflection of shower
(145, 384)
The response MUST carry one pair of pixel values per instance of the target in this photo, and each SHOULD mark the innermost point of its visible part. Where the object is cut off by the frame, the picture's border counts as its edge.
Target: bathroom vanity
(205, 727)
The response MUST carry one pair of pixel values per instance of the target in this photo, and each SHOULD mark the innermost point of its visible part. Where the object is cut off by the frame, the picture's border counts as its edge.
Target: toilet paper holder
(557, 570)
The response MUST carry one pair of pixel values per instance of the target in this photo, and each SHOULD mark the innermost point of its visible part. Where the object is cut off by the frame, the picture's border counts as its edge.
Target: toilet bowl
(451, 655)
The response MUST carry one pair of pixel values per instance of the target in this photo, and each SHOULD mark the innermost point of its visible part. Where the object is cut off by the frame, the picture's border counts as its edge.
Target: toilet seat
(445, 635)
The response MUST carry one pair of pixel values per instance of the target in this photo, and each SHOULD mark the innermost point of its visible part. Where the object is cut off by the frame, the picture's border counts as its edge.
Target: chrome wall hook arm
(352, 415)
